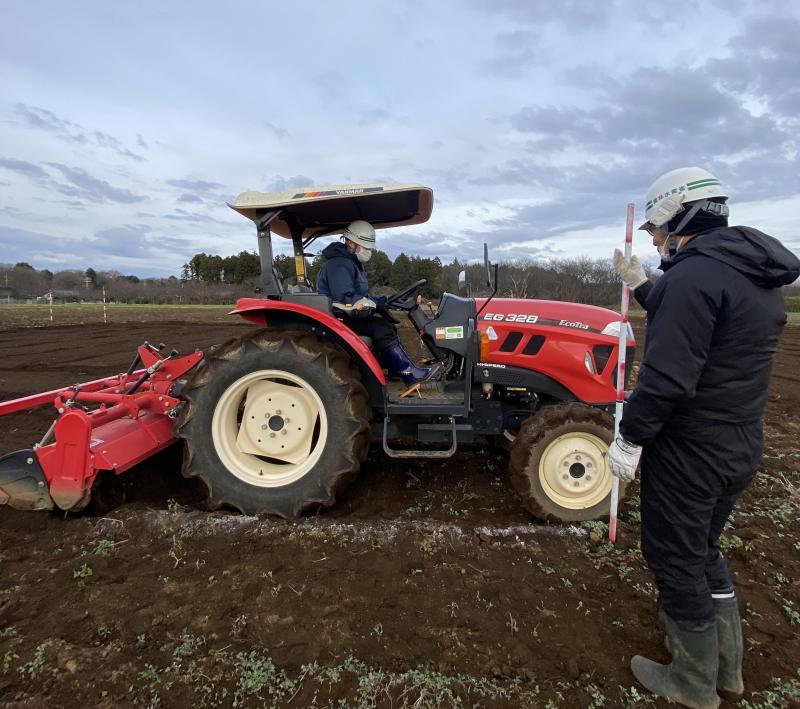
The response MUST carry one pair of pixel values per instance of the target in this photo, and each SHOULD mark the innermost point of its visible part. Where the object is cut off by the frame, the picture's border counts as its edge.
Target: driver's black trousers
(382, 332)
(691, 479)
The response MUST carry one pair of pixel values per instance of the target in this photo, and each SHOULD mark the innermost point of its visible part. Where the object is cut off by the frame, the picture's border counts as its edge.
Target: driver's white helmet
(361, 233)
(684, 185)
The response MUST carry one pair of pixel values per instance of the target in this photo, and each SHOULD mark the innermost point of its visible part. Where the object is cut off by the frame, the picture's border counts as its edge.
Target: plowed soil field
(427, 585)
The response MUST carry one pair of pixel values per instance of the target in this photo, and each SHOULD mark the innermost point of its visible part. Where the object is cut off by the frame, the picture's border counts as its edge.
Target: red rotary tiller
(130, 419)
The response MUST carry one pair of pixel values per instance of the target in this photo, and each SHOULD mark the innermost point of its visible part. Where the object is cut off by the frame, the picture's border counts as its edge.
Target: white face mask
(363, 254)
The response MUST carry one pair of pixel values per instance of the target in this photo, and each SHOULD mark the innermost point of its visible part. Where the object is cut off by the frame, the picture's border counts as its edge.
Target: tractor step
(392, 453)
(22, 482)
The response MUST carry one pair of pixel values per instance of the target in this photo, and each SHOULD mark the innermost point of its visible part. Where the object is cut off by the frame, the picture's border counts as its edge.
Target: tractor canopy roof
(315, 211)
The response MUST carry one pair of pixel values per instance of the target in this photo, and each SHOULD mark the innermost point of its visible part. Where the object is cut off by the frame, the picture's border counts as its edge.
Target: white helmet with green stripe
(685, 185)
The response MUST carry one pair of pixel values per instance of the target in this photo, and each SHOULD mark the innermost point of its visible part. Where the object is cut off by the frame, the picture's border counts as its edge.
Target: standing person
(695, 417)
(344, 280)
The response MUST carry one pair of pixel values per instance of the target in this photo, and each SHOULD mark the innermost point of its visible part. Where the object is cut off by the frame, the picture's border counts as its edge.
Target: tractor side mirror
(487, 266)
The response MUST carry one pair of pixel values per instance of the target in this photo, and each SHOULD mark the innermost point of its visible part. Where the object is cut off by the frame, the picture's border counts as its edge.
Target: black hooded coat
(713, 322)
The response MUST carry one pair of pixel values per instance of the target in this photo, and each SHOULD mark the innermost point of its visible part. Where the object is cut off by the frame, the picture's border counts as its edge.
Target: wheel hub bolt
(264, 427)
(272, 435)
(283, 432)
(277, 412)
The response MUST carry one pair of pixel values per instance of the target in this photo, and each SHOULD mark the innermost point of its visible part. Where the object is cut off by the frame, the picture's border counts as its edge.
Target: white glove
(364, 303)
(630, 270)
(623, 459)
(666, 209)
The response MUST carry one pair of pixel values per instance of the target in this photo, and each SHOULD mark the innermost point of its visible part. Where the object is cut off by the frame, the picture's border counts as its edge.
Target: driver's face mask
(363, 254)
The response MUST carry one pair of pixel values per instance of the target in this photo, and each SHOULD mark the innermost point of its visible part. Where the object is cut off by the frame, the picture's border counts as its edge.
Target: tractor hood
(315, 211)
(553, 313)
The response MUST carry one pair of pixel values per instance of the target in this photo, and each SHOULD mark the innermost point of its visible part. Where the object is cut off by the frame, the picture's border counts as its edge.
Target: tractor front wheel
(558, 463)
(275, 423)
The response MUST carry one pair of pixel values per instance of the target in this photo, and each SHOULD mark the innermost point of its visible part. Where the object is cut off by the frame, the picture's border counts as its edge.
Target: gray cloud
(191, 198)
(25, 245)
(132, 244)
(104, 140)
(514, 54)
(372, 116)
(186, 216)
(277, 131)
(766, 70)
(23, 167)
(278, 183)
(195, 185)
(129, 241)
(332, 85)
(658, 118)
(42, 119)
(83, 185)
(572, 13)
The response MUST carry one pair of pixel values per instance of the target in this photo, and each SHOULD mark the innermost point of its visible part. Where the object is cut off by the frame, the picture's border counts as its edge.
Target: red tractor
(279, 421)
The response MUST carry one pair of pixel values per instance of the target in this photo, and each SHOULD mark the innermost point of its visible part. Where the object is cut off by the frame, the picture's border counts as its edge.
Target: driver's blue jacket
(342, 278)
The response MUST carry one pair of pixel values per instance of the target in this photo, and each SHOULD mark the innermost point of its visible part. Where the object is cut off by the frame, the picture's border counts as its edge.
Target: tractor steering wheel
(400, 299)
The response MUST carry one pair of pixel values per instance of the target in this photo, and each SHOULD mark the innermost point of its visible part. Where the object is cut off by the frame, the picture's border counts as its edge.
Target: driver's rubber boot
(691, 678)
(730, 685)
(400, 363)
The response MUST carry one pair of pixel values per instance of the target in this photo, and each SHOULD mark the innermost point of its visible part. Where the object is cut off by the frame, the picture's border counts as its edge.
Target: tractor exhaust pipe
(22, 482)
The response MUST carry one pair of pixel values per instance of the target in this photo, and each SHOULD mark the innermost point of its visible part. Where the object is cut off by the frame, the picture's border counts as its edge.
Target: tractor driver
(695, 417)
(344, 280)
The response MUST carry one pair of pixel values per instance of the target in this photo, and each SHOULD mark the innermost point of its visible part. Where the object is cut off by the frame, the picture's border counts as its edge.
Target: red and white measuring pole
(50, 300)
(621, 350)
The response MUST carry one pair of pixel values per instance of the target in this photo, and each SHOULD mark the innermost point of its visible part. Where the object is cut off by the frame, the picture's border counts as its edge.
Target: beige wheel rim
(573, 471)
(269, 428)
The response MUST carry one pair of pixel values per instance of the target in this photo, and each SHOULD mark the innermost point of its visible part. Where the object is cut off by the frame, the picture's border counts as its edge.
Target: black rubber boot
(691, 678)
(400, 363)
(730, 685)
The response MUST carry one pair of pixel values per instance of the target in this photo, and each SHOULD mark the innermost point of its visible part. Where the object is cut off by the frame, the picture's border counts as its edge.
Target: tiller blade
(22, 482)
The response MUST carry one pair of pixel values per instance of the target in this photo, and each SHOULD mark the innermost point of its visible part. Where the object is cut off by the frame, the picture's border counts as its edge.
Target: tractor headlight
(612, 329)
(587, 360)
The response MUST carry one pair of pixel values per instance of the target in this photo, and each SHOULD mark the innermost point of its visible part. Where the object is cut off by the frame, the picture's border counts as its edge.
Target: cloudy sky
(125, 127)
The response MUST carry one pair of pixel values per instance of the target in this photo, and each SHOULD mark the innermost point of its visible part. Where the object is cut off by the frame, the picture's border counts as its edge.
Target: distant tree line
(210, 278)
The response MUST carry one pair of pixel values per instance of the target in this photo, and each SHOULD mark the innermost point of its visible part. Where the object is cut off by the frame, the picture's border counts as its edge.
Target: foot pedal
(419, 454)
(426, 384)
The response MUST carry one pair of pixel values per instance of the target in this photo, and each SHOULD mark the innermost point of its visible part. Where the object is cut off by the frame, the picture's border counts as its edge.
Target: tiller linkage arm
(106, 424)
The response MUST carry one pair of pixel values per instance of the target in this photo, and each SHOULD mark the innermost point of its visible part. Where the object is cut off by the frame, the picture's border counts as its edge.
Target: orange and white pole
(50, 299)
(105, 317)
(621, 349)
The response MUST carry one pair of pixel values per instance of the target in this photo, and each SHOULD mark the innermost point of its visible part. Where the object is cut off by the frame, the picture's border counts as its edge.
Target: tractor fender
(258, 311)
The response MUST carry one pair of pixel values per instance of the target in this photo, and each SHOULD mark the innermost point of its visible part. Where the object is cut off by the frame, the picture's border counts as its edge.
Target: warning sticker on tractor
(450, 333)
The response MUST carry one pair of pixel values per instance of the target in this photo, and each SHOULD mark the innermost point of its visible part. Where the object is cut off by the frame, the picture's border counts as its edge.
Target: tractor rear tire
(558, 463)
(241, 440)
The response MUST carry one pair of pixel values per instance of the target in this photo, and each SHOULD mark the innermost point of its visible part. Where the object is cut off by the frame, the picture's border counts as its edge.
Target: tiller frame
(132, 420)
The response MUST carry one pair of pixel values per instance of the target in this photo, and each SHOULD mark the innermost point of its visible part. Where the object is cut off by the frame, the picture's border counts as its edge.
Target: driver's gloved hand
(380, 300)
